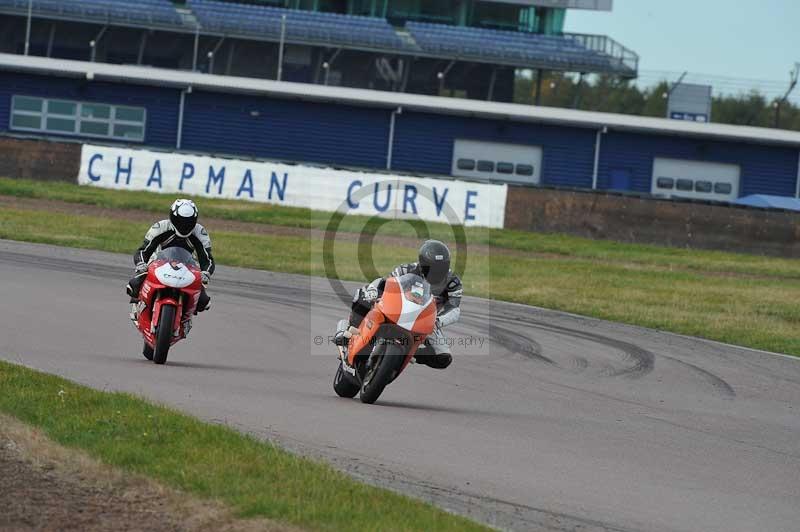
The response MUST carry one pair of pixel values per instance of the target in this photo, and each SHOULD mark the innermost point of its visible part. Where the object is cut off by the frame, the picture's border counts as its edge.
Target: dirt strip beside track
(46, 487)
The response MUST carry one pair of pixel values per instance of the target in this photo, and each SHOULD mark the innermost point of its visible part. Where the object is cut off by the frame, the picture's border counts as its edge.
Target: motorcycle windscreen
(176, 254)
(407, 301)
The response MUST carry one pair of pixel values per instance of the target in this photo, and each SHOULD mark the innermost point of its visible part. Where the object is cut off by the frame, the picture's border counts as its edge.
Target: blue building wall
(424, 143)
(161, 103)
(348, 135)
(764, 169)
(288, 130)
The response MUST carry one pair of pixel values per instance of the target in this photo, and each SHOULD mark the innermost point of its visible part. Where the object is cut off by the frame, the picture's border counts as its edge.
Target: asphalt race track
(566, 424)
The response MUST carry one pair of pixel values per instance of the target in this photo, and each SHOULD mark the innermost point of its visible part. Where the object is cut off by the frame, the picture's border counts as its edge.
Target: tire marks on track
(638, 361)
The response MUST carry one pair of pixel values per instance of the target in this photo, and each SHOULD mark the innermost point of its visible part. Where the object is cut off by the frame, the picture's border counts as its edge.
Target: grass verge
(562, 246)
(753, 310)
(255, 479)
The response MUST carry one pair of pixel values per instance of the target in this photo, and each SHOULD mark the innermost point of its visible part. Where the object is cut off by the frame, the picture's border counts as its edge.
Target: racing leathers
(162, 235)
(435, 352)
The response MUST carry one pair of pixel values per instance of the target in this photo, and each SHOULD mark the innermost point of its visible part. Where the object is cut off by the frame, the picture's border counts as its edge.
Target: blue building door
(620, 179)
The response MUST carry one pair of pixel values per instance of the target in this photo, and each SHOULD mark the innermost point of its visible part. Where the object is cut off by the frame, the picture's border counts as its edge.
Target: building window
(485, 166)
(466, 164)
(665, 182)
(703, 186)
(685, 185)
(524, 169)
(505, 168)
(723, 188)
(84, 119)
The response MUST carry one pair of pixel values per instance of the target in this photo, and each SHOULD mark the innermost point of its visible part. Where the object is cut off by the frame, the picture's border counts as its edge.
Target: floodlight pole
(142, 45)
(196, 47)
(442, 75)
(94, 42)
(538, 97)
(212, 54)
(50, 39)
(576, 101)
(281, 46)
(326, 65)
(792, 84)
(28, 28)
(492, 81)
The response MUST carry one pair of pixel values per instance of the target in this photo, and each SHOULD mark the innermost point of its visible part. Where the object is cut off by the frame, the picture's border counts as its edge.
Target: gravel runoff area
(46, 487)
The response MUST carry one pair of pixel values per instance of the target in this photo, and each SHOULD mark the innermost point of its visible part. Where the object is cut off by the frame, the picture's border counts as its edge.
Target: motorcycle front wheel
(383, 369)
(164, 333)
(344, 385)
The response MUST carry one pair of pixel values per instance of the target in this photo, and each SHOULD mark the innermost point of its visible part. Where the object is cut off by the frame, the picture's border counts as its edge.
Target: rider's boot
(187, 326)
(344, 331)
(203, 302)
(435, 361)
(132, 289)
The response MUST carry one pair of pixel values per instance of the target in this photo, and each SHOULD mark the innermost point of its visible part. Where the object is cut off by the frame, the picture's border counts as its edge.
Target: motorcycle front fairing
(172, 278)
(405, 314)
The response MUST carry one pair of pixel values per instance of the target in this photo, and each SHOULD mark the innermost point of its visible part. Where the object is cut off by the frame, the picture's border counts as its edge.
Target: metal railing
(611, 55)
(120, 13)
(622, 56)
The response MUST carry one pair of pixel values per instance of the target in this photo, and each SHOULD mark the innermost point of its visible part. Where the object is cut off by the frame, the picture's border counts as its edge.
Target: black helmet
(183, 215)
(434, 263)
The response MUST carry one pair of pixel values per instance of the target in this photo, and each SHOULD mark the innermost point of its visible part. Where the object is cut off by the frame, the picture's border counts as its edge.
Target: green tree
(612, 95)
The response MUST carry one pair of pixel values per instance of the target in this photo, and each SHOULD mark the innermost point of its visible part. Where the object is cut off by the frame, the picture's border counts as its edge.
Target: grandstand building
(463, 48)
(200, 77)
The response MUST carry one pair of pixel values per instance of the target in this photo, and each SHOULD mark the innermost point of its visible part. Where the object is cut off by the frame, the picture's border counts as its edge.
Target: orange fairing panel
(426, 322)
(369, 326)
(391, 303)
(405, 309)
(395, 307)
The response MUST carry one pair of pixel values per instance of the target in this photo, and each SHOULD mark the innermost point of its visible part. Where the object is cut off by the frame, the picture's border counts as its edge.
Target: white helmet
(183, 215)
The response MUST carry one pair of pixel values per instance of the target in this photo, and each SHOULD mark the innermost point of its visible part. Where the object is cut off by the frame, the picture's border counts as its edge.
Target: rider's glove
(141, 267)
(205, 277)
(369, 294)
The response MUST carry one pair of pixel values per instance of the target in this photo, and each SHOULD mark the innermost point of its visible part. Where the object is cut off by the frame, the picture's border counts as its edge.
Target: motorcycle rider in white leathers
(179, 230)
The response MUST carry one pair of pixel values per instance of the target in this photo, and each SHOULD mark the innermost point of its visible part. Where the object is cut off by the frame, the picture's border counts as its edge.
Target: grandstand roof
(392, 100)
(567, 52)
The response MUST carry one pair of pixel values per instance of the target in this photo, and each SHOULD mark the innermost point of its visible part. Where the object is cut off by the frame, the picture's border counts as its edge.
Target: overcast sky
(717, 38)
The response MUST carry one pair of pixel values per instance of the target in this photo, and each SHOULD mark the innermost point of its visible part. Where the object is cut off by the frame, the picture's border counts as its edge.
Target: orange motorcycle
(387, 339)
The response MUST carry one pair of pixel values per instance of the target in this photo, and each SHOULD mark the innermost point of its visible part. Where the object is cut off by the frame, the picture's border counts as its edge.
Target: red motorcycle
(167, 301)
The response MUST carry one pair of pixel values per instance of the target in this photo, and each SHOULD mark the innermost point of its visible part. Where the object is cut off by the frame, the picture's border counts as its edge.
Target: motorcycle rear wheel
(164, 333)
(385, 369)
